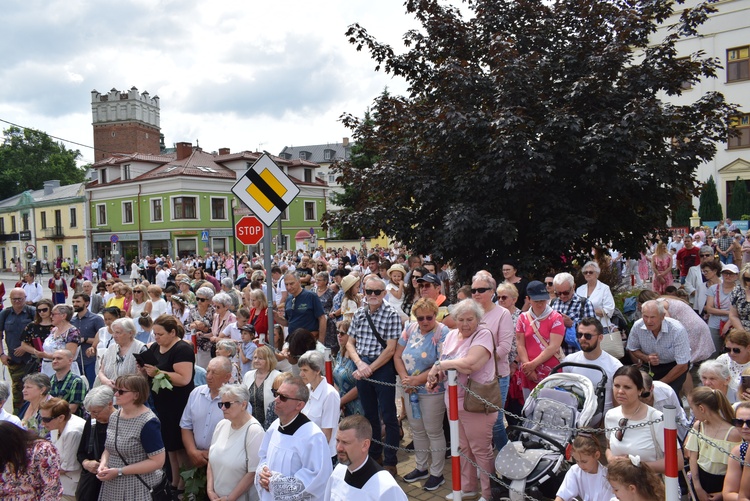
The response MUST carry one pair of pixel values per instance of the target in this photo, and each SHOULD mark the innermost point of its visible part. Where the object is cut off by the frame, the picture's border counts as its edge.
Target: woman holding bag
(598, 293)
(539, 335)
(468, 349)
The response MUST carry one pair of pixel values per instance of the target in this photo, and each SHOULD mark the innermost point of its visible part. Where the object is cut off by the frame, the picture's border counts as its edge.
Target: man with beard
(589, 333)
(358, 476)
(88, 324)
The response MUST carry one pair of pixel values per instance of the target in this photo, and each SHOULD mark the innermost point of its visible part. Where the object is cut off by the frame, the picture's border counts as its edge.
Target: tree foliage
(681, 213)
(532, 129)
(29, 157)
(739, 205)
(709, 208)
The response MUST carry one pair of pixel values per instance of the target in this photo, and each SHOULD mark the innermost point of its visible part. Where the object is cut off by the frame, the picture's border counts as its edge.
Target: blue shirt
(88, 326)
(12, 325)
(303, 311)
(672, 343)
(422, 351)
(201, 415)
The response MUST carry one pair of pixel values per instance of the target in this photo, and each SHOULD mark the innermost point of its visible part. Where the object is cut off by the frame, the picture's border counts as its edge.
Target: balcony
(54, 232)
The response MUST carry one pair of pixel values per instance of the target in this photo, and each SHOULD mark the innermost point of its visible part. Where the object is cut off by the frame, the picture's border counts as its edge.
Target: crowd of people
(136, 378)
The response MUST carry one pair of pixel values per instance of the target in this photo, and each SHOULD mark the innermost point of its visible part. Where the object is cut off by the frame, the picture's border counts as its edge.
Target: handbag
(559, 355)
(161, 491)
(612, 341)
(488, 391)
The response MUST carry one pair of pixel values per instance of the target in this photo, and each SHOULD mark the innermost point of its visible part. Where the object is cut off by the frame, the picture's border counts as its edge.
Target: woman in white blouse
(598, 293)
(66, 430)
(324, 405)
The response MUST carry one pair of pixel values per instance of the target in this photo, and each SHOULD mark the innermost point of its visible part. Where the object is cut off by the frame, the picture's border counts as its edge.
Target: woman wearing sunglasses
(418, 348)
(37, 331)
(739, 313)
(731, 489)
(598, 293)
(199, 325)
(66, 430)
(623, 440)
(736, 356)
(134, 451)
(233, 455)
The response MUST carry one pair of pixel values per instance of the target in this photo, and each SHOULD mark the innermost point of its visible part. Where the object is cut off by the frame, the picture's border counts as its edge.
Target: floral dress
(34, 334)
(41, 479)
(739, 301)
(203, 343)
(55, 342)
(343, 378)
(661, 263)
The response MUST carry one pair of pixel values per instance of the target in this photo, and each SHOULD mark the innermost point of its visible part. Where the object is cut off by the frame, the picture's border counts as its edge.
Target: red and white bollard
(453, 423)
(329, 366)
(671, 469)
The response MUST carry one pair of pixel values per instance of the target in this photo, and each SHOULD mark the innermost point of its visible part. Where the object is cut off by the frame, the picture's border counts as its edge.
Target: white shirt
(67, 445)
(201, 415)
(6, 416)
(34, 291)
(323, 409)
(586, 486)
(606, 361)
(161, 278)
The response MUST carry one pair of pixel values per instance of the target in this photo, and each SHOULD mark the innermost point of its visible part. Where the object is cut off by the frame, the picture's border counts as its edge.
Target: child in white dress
(587, 479)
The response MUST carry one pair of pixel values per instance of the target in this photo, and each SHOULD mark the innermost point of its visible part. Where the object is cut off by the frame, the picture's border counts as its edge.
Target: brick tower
(125, 122)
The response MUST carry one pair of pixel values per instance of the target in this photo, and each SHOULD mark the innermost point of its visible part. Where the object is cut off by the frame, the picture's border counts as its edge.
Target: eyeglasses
(376, 292)
(226, 405)
(622, 424)
(42, 310)
(585, 336)
(137, 292)
(736, 351)
(429, 318)
(48, 419)
(563, 293)
(426, 285)
(283, 398)
(739, 423)
(17, 298)
(706, 255)
(58, 313)
(416, 277)
(548, 284)
(589, 272)
(201, 299)
(120, 391)
(342, 333)
(503, 298)
(480, 290)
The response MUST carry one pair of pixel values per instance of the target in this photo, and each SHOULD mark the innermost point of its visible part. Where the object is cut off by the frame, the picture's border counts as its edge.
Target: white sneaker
(465, 495)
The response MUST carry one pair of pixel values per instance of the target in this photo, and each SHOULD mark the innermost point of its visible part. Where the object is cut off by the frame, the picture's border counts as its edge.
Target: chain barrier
(495, 479)
(442, 451)
(718, 447)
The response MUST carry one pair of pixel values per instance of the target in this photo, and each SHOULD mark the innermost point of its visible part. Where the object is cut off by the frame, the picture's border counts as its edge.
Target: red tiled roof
(198, 164)
(119, 158)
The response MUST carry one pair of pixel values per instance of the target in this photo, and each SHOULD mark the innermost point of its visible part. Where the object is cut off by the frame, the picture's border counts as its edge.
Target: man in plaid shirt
(374, 360)
(569, 305)
(65, 384)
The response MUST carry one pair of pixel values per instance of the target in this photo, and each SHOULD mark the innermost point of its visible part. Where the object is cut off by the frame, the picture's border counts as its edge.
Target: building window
(74, 252)
(309, 211)
(126, 172)
(44, 219)
(285, 214)
(741, 125)
(308, 175)
(103, 176)
(738, 64)
(2, 226)
(58, 221)
(156, 209)
(101, 215)
(328, 154)
(184, 208)
(25, 220)
(331, 178)
(73, 217)
(303, 155)
(127, 212)
(12, 224)
(218, 208)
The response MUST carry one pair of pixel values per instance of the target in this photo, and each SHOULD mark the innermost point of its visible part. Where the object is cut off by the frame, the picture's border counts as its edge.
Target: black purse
(161, 491)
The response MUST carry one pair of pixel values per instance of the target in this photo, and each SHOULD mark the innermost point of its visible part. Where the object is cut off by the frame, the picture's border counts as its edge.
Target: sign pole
(269, 283)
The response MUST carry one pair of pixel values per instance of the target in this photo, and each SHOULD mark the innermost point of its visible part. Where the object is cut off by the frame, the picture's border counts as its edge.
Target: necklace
(637, 410)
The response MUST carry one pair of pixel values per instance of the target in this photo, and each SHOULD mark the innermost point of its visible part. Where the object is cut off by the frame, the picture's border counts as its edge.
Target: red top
(261, 324)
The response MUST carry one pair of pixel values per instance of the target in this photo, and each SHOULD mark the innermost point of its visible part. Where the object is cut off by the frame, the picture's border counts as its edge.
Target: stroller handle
(557, 445)
(584, 366)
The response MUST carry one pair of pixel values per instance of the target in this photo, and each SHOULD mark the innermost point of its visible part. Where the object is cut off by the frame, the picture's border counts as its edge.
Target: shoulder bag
(161, 491)
(374, 330)
(560, 355)
(488, 391)
(612, 340)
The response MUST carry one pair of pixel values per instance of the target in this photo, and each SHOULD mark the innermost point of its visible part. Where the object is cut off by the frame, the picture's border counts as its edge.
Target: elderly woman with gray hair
(233, 455)
(98, 403)
(598, 293)
(222, 303)
(228, 348)
(36, 387)
(716, 376)
(323, 406)
(118, 360)
(199, 325)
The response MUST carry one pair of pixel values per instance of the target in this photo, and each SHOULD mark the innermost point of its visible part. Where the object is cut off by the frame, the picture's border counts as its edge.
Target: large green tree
(29, 157)
(709, 208)
(533, 129)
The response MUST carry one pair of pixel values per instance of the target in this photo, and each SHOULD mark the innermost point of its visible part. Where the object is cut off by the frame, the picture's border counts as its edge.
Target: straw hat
(397, 267)
(348, 282)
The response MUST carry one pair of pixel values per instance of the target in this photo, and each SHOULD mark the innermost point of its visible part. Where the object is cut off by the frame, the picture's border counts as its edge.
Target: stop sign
(249, 230)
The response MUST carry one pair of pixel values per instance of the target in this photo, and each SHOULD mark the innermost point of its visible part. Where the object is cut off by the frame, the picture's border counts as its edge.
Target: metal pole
(453, 425)
(670, 453)
(234, 242)
(269, 282)
(329, 366)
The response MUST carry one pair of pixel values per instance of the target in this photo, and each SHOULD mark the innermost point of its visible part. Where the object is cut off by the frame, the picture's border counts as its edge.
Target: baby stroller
(535, 462)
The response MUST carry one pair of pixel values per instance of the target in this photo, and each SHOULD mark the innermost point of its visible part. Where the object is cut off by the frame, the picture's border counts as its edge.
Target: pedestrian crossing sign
(266, 190)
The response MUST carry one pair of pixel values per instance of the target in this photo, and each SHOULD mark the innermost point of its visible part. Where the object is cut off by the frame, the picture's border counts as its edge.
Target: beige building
(43, 224)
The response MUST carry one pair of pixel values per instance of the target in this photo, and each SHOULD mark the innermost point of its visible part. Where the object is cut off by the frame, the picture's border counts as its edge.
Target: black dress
(170, 403)
(90, 449)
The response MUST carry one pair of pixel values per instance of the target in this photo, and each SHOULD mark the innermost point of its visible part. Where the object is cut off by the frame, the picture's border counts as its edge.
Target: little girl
(634, 481)
(714, 416)
(146, 324)
(587, 479)
(246, 348)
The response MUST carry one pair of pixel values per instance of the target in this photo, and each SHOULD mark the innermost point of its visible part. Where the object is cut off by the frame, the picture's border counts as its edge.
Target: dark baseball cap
(537, 291)
(429, 277)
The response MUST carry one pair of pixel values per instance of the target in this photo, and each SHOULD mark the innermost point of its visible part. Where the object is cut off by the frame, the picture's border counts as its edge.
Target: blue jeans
(499, 437)
(88, 370)
(728, 259)
(380, 400)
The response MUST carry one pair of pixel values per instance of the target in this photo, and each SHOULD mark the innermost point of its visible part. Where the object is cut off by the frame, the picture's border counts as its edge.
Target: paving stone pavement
(414, 490)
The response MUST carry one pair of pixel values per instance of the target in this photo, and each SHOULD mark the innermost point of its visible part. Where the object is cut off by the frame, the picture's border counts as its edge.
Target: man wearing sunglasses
(373, 333)
(303, 309)
(589, 332)
(570, 306)
(294, 457)
(13, 321)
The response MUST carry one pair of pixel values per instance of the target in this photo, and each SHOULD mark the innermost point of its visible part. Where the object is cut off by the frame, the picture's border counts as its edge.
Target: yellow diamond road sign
(266, 190)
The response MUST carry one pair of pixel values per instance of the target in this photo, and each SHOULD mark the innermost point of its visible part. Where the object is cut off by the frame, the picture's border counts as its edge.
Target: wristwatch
(119, 472)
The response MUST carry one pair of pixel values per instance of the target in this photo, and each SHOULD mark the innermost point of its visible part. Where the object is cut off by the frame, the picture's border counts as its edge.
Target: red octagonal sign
(249, 230)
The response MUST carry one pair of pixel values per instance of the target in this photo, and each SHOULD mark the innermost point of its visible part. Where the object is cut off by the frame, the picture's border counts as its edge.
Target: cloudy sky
(246, 75)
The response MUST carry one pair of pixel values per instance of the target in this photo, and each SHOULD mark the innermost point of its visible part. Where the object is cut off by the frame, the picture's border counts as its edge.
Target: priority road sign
(266, 190)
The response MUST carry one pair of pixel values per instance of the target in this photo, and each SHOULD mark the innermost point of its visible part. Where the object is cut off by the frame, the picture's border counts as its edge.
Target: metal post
(234, 242)
(269, 283)
(329, 366)
(670, 453)
(453, 424)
